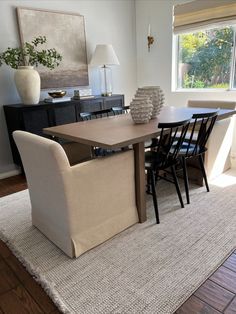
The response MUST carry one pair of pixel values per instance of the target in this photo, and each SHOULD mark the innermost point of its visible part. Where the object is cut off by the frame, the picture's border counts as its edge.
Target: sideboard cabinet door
(64, 113)
(35, 120)
(90, 105)
(114, 101)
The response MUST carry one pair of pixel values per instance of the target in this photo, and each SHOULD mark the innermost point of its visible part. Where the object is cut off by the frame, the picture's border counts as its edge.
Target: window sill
(202, 90)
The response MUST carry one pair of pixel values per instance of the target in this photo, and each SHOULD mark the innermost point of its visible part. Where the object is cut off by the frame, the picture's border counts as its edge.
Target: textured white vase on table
(141, 109)
(27, 82)
(157, 96)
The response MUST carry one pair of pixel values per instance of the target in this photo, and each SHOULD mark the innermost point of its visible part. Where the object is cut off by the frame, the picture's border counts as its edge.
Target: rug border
(40, 279)
(53, 294)
(202, 282)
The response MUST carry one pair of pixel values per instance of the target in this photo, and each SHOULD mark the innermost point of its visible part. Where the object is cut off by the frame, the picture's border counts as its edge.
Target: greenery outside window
(206, 59)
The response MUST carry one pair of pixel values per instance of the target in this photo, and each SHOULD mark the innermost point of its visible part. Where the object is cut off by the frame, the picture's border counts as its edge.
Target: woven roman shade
(203, 13)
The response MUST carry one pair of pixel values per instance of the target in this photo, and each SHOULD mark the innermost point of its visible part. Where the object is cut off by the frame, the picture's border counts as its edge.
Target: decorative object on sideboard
(57, 93)
(66, 32)
(27, 81)
(24, 59)
(149, 37)
(156, 95)
(141, 109)
(104, 56)
(83, 93)
(56, 100)
(57, 96)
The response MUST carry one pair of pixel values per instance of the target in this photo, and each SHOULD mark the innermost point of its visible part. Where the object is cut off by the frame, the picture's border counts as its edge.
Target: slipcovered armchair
(217, 157)
(77, 207)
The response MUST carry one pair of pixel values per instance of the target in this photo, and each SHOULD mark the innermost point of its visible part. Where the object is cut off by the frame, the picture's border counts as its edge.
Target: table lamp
(104, 56)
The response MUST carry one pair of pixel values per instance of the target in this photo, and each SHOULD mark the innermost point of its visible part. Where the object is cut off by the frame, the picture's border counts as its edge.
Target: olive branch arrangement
(28, 55)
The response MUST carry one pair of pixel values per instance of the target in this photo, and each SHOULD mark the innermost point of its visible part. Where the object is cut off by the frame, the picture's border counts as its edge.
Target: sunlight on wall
(225, 179)
(219, 145)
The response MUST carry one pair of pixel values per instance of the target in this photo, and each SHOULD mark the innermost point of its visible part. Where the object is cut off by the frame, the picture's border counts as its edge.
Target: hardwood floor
(12, 185)
(20, 293)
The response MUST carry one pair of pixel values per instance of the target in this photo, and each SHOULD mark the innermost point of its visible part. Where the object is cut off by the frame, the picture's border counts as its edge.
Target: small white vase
(27, 82)
(141, 109)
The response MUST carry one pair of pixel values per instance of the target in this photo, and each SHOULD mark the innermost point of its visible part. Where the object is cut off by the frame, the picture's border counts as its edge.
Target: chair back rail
(202, 126)
(171, 139)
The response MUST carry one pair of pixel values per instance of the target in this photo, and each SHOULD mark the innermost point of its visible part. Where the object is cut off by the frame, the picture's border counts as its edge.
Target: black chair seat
(188, 150)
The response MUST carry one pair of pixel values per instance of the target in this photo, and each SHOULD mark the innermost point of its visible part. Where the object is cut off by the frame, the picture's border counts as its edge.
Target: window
(206, 59)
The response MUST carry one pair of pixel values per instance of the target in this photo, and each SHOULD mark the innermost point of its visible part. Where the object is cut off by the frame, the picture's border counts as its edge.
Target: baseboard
(11, 173)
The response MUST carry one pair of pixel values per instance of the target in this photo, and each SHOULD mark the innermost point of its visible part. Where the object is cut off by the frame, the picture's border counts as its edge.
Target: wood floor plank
(195, 306)
(18, 268)
(8, 280)
(18, 300)
(2, 263)
(12, 184)
(226, 278)
(4, 250)
(214, 295)
(33, 288)
(231, 309)
(231, 262)
(37, 292)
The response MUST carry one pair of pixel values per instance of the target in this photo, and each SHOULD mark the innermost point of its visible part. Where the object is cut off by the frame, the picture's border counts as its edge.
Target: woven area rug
(148, 268)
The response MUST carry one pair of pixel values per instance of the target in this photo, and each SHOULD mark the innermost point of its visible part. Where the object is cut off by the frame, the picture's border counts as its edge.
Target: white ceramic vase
(141, 109)
(27, 82)
(157, 96)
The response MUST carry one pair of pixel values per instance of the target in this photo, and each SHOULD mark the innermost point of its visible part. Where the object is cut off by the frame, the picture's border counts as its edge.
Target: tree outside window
(205, 58)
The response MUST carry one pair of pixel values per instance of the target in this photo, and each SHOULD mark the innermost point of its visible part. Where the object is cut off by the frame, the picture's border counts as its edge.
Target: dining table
(120, 131)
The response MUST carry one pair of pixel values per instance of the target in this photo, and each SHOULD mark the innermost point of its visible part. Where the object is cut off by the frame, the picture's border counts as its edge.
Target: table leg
(140, 181)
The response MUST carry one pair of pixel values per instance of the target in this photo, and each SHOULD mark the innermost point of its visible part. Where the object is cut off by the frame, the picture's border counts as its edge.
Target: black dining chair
(165, 156)
(119, 110)
(94, 115)
(85, 116)
(195, 145)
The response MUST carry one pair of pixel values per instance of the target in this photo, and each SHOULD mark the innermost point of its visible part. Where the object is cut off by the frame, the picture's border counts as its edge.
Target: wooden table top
(120, 130)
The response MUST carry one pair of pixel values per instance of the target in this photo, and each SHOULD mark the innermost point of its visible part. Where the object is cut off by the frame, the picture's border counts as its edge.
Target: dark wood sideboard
(33, 118)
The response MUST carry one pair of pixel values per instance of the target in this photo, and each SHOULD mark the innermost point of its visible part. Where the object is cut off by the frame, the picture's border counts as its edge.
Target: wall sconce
(149, 38)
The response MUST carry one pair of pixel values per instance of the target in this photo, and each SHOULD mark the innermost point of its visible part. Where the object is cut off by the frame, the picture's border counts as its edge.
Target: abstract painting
(66, 33)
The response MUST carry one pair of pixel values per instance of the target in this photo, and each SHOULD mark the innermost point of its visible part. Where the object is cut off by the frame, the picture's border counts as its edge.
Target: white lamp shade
(104, 55)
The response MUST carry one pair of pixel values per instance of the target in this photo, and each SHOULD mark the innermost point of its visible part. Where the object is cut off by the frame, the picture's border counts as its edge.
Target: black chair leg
(203, 172)
(186, 184)
(154, 195)
(148, 186)
(177, 185)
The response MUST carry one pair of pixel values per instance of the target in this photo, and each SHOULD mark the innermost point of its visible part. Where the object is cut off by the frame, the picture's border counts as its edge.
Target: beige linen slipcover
(77, 207)
(217, 157)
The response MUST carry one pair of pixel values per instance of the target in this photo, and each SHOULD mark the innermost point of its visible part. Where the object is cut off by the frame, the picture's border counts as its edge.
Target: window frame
(176, 60)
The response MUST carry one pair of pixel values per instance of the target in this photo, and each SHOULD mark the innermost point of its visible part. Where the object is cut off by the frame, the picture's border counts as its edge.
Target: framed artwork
(66, 33)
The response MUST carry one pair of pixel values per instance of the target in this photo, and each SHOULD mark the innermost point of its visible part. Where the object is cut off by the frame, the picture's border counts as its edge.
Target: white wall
(106, 21)
(155, 67)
